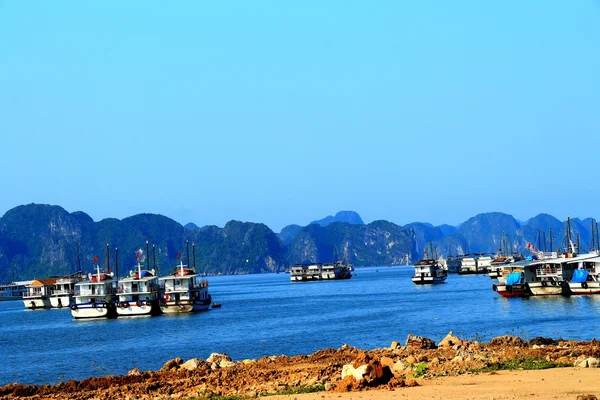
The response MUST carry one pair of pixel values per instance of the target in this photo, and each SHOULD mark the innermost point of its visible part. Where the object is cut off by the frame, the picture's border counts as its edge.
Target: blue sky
(284, 112)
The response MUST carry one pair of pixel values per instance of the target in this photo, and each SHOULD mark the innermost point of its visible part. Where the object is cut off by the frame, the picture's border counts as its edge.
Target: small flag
(137, 255)
(178, 255)
(424, 251)
(95, 259)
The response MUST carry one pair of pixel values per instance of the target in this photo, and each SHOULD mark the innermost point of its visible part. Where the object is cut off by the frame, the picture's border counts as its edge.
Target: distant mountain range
(41, 240)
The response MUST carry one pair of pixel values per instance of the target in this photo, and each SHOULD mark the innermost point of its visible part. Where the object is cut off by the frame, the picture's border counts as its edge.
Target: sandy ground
(557, 383)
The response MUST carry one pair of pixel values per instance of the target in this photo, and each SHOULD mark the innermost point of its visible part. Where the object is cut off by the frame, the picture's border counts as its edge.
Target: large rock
(542, 341)
(220, 360)
(191, 364)
(512, 341)
(370, 373)
(171, 364)
(450, 341)
(420, 341)
(356, 373)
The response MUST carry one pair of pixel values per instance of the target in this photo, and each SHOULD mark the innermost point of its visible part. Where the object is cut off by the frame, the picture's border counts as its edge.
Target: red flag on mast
(137, 255)
(95, 259)
(178, 255)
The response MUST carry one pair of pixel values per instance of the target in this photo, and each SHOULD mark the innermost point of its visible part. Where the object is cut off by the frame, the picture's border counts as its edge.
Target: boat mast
(117, 262)
(154, 259)
(194, 255)
(107, 258)
(597, 236)
(147, 256)
(551, 240)
(544, 233)
(78, 259)
(187, 249)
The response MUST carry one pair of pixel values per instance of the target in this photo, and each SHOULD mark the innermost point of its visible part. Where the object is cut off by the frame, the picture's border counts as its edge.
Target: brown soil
(390, 369)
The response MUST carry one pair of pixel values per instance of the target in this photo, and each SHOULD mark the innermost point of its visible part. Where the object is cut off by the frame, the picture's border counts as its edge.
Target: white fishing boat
(13, 290)
(64, 291)
(95, 297)
(38, 293)
(428, 271)
(139, 294)
(184, 291)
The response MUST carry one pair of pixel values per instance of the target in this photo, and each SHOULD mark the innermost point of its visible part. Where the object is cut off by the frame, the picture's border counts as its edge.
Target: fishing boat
(139, 293)
(184, 291)
(95, 297)
(38, 293)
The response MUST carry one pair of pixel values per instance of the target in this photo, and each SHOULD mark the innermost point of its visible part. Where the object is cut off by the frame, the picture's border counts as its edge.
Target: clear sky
(286, 111)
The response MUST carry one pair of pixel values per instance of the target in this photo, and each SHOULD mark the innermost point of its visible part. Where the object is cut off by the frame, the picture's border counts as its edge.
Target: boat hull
(61, 301)
(545, 288)
(472, 272)
(584, 288)
(428, 280)
(89, 310)
(517, 290)
(183, 307)
(36, 303)
(132, 309)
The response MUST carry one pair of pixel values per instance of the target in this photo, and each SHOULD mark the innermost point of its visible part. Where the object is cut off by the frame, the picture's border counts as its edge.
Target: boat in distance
(429, 271)
(321, 271)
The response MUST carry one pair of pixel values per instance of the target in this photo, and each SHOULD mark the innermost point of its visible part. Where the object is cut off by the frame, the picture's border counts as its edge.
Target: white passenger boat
(321, 271)
(429, 272)
(550, 277)
(139, 294)
(454, 263)
(298, 273)
(95, 297)
(468, 265)
(38, 293)
(184, 291)
(13, 290)
(64, 291)
(586, 277)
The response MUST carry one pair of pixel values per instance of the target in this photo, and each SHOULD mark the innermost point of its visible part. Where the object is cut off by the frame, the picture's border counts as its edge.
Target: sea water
(266, 314)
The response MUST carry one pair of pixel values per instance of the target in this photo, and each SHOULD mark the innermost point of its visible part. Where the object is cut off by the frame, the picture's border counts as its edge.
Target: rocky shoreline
(341, 370)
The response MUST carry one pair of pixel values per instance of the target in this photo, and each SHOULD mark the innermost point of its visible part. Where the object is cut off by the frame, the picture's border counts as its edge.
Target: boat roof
(43, 282)
(178, 276)
(570, 260)
(134, 279)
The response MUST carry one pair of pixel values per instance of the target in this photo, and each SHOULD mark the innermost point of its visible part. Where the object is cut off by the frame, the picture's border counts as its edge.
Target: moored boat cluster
(103, 295)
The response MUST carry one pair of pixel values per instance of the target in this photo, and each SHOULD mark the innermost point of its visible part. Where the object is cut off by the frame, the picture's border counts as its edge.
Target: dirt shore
(505, 368)
(548, 384)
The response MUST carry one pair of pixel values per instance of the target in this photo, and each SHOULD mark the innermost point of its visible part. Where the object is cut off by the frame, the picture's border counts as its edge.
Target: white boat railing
(542, 272)
(62, 292)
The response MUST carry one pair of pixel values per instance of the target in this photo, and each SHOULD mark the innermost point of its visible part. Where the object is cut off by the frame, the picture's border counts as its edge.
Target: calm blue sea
(269, 315)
